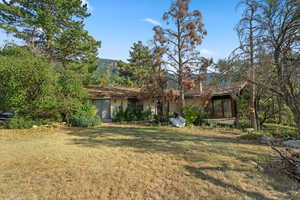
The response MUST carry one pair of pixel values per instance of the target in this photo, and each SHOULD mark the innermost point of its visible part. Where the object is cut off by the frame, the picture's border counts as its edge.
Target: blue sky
(120, 23)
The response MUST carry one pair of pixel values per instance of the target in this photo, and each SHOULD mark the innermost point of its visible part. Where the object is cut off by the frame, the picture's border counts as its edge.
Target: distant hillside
(106, 66)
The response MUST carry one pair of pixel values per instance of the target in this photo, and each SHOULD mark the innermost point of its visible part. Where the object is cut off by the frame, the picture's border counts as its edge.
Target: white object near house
(178, 122)
(250, 130)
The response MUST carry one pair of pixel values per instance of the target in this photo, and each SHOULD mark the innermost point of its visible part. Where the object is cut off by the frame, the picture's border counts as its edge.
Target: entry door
(103, 107)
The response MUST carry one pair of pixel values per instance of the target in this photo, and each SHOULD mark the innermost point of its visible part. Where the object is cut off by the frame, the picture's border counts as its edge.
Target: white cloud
(206, 52)
(152, 21)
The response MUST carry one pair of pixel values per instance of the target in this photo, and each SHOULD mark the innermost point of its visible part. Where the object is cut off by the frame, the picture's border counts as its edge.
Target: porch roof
(97, 92)
(219, 90)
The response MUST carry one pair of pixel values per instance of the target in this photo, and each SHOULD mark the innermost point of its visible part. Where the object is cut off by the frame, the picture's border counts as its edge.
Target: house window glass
(227, 108)
(218, 108)
(103, 108)
(134, 105)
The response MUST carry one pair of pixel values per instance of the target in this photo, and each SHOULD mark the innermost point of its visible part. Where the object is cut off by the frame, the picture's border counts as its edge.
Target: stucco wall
(149, 105)
(116, 104)
(174, 107)
(194, 102)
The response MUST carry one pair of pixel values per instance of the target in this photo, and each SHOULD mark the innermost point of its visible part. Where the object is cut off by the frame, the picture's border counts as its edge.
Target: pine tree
(55, 28)
(136, 72)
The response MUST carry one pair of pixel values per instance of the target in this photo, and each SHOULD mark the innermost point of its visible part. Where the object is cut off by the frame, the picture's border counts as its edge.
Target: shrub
(201, 119)
(129, 115)
(251, 136)
(191, 114)
(123, 115)
(71, 95)
(85, 117)
(28, 83)
(20, 122)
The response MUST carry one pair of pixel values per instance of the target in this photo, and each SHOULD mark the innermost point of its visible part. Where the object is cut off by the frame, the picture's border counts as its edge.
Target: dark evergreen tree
(55, 28)
(136, 72)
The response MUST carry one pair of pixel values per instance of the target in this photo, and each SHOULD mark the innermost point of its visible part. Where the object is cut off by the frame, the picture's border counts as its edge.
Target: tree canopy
(54, 28)
(136, 72)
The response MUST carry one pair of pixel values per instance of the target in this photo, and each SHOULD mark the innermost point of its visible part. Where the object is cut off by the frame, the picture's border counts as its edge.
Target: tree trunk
(180, 66)
(252, 78)
(279, 110)
(182, 100)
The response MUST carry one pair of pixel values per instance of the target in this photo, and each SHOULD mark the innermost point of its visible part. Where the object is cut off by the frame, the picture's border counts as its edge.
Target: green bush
(28, 83)
(85, 117)
(20, 122)
(191, 114)
(202, 118)
(129, 115)
(71, 95)
(251, 136)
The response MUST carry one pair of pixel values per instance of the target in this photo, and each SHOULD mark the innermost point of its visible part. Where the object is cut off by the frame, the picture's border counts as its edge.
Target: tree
(248, 32)
(31, 86)
(177, 45)
(280, 27)
(54, 28)
(136, 72)
(155, 90)
(28, 83)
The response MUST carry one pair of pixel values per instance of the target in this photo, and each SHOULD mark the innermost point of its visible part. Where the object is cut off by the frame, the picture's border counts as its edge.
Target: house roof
(220, 90)
(97, 92)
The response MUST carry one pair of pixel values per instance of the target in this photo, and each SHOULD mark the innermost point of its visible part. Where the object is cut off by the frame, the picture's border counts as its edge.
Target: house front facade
(222, 102)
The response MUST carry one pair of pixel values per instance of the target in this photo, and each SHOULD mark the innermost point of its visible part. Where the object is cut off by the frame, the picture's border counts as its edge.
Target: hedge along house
(221, 105)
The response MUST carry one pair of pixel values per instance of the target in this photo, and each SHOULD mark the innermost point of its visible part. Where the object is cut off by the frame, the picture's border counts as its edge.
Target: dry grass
(135, 162)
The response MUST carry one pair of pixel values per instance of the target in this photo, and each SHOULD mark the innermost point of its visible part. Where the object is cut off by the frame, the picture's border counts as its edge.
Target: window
(218, 108)
(103, 108)
(227, 108)
(134, 105)
(221, 107)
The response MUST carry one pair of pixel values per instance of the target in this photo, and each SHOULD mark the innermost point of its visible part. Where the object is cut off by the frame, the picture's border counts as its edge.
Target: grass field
(120, 162)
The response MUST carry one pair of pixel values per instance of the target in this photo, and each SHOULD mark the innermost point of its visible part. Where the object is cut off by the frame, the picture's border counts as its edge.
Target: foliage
(176, 47)
(191, 114)
(230, 70)
(201, 119)
(271, 42)
(31, 86)
(20, 122)
(128, 115)
(106, 73)
(71, 94)
(54, 27)
(136, 72)
(28, 83)
(86, 116)
(251, 136)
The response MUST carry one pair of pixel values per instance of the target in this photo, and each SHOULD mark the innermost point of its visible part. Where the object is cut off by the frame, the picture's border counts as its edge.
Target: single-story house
(222, 103)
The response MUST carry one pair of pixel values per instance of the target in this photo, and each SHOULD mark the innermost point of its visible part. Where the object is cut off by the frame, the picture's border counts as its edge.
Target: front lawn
(135, 162)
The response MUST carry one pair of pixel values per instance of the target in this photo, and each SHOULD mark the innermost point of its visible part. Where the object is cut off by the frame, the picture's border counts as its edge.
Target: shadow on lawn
(187, 146)
(191, 147)
(198, 172)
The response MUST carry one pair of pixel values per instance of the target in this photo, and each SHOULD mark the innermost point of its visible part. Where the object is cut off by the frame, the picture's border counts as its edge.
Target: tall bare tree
(281, 30)
(178, 45)
(248, 32)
